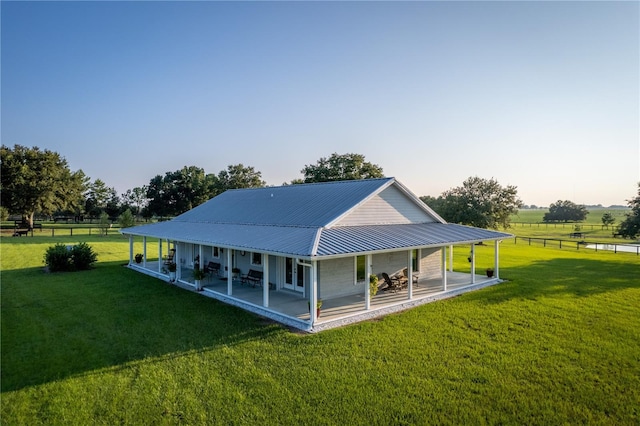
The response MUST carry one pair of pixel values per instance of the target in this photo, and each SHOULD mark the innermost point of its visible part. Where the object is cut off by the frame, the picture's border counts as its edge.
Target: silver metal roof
(313, 205)
(354, 239)
(296, 221)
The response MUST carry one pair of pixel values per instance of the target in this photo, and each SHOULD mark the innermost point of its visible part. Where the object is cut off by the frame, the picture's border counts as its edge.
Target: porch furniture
(213, 268)
(414, 277)
(392, 283)
(169, 258)
(254, 277)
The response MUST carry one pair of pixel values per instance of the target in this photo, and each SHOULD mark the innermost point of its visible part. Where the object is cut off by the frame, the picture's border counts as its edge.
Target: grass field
(559, 343)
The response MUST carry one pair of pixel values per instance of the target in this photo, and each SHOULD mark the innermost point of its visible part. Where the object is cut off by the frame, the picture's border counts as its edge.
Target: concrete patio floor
(291, 308)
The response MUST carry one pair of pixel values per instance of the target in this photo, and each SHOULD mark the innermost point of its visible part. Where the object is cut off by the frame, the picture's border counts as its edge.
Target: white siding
(336, 277)
(430, 267)
(388, 207)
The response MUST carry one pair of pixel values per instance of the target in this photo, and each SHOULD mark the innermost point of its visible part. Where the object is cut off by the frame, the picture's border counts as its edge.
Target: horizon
(543, 96)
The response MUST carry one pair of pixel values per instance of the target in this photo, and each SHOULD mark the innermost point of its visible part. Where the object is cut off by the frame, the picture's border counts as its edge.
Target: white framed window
(415, 260)
(215, 253)
(360, 268)
(256, 259)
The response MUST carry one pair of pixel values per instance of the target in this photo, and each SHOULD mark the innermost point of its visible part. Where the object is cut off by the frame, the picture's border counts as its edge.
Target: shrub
(58, 258)
(126, 219)
(61, 258)
(83, 257)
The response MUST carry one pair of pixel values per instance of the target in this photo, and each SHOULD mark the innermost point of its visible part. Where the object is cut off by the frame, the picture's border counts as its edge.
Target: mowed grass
(558, 343)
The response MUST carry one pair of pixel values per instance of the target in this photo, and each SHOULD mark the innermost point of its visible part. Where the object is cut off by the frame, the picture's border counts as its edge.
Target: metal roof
(359, 239)
(296, 220)
(314, 205)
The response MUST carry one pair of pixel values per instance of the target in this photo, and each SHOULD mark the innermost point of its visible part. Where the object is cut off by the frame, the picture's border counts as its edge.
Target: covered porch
(292, 309)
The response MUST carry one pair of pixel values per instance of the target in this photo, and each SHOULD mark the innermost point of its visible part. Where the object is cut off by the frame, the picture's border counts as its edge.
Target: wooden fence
(588, 245)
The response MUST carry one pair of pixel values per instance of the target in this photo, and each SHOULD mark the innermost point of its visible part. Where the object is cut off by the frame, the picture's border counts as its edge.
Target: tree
(630, 227)
(101, 198)
(135, 199)
(126, 219)
(35, 181)
(608, 219)
(103, 223)
(238, 176)
(341, 167)
(565, 211)
(478, 202)
(179, 191)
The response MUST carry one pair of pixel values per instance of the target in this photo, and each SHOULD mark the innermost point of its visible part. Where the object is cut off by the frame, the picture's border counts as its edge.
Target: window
(415, 260)
(361, 268)
(216, 252)
(256, 259)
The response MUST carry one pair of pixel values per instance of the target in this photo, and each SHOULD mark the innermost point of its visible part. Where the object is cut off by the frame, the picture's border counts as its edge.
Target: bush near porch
(558, 343)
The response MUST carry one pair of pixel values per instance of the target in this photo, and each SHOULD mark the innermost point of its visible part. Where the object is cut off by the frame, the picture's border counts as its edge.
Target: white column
(367, 289)
(496, 259)
(159, 255)
(444, 267)
(176, 260)
(410, 273)
(450, 258)
(201, 257)
(313, 294)
(473, 263)
(144, 252)
(229, 272)
(265, 280)
(130, 249)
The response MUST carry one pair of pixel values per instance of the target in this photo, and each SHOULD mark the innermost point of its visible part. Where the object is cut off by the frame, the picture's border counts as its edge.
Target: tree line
(35, 181)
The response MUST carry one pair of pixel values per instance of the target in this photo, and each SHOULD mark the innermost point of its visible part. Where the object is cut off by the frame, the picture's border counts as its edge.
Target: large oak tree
(341, 167)
(478, 202)
(630, 227)
(36, 181)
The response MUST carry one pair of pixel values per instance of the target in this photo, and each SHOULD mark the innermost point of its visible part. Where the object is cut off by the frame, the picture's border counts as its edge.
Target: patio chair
(392, 284)
(414, 277)
(169, 258)
(213, 268)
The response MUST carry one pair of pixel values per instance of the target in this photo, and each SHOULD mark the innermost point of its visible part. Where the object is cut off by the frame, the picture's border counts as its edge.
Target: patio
(291, 308)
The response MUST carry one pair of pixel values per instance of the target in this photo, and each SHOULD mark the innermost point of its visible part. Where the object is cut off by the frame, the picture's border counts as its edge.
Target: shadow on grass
(561, 277)
(56, 326)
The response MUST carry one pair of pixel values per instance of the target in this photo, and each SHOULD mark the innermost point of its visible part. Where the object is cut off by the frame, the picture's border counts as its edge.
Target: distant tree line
(35, 181)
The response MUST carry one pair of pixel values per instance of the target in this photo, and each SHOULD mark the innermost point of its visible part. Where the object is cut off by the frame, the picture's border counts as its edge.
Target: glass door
(293, 275)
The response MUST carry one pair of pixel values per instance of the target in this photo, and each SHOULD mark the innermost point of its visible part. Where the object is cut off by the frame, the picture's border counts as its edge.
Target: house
(316, 242)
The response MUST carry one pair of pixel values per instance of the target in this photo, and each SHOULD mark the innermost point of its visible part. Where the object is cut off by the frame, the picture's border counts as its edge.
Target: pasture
(557, 343)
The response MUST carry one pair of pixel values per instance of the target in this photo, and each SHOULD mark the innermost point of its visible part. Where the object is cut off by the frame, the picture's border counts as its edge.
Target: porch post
(496, 259)
(473, 263)
(367, 289)
(229, 272)
(144, 252)
(176, 260)
(410, 272)
(313, 294)
(130, 249)
(159, 255)
(265, 280)
(200, 256)
(450, 258)
(444, 267)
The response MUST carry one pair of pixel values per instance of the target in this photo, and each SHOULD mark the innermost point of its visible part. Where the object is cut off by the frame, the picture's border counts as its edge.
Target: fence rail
(571, 225)
(588, 245)
(59, 231)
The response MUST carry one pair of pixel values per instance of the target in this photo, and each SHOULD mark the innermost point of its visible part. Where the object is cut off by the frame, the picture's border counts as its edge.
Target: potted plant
(172, 267)
(489, 272)
(373, 285)
(139, 257)
(198, 276)
(318, 306)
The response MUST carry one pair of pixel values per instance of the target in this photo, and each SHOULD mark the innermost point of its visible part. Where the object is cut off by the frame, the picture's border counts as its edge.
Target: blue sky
(541, 95)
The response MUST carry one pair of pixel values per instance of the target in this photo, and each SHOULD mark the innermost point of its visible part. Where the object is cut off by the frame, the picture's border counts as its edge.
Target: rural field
(558, 343)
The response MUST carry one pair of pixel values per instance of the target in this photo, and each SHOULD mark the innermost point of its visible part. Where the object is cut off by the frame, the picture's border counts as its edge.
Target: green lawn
(557, 344)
